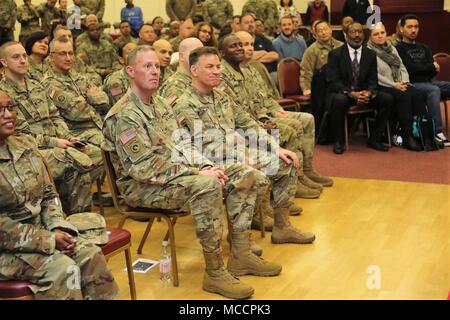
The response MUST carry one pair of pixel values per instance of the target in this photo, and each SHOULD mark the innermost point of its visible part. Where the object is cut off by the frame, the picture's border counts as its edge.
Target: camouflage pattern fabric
(220, 12)
(28, 16)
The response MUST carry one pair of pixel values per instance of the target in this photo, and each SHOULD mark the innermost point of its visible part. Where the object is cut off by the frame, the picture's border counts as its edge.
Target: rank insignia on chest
(172, 99)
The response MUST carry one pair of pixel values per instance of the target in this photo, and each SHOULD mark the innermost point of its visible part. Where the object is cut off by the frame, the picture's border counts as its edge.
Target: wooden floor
(403, 229)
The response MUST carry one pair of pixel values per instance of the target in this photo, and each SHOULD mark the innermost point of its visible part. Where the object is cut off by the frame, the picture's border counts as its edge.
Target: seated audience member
(117, 83)
(204, 32)
(264, 50)
(236, 23)
(133, 15)
(172, 31)
(38, 244)
(287, 44)
(312, 69)
(422, 68)
(84, 37)
(138, 135)
(394, 80)
(158, 25)
(79, 101)
(164, 52)
(36, 47)
(266, 10)
(357, 9)
(186, 29)
(352, 79)
(147, 35)
(317, 10)
(297, 23)
(217, 29)
(219, 12)
(98, 53)
(63, 15)
(78, 65)
(73, 169)
(312, 39)
(341, 35)
(125, 35)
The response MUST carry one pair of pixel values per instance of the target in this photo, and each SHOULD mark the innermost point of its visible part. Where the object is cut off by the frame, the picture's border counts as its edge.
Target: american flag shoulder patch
(128, 135)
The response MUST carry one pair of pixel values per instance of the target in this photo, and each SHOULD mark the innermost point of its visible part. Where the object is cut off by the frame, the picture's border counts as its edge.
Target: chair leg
(174, 220)
(346, 132)
(388, 129)
(100, 195)
(122, 221)
(173, 252)
(446, 116)
(144, 237)
(131, 282)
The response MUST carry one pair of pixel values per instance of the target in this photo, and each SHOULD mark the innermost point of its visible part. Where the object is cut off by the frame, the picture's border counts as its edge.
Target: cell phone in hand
(80, 144)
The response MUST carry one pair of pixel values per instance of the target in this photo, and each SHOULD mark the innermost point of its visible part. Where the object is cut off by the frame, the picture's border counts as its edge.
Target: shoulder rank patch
(128, 135)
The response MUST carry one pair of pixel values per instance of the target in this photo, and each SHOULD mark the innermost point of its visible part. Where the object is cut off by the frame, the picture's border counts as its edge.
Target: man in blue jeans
(422, 68)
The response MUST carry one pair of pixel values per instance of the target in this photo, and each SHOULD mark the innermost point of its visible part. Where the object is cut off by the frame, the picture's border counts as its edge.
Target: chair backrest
(443, 59)
(289, 77)
(112, 178)
(267, 78)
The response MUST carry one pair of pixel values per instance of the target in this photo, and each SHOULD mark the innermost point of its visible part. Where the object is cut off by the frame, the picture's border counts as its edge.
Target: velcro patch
(128, 135)
(116, 91)
(172, 99)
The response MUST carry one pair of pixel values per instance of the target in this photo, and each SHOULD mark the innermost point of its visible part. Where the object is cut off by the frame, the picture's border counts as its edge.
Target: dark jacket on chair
(339, 71)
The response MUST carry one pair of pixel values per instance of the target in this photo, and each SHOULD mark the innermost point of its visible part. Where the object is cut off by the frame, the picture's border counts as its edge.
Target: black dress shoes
(338, 148)
(377, 146)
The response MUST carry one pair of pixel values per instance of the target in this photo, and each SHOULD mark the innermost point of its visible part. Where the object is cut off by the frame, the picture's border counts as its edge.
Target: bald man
(164, 50)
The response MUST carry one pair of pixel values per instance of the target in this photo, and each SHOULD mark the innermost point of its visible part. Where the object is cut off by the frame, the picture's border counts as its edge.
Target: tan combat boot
(268, 223)
(306, 192)
(313, 175)
(285, 232)
(295, 210)
(217, 279)
(309, 183)
(255, 248)
(242, 261)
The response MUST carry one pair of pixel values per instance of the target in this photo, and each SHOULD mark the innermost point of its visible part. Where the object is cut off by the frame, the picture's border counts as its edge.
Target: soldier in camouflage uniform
(302, 122)
(8, 15)
(28, 16)
(180, 9)
(125, 35)
(36, 242)
(84, 37)
(241, 85)
(186, 29)
(220, 12)
(266, 10)
(98, 53)
(79, 65)
(36, 46)
(49, 15)
(164, 50)
(96, 7)
(213, 109)
(73, 169)
(117, 83)
(138, 133)
(79, 101)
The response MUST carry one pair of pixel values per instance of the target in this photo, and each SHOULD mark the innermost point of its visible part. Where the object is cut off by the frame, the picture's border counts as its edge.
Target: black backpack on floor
(424, 130)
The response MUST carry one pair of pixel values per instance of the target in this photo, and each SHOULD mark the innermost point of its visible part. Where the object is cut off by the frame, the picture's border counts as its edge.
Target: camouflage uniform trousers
(73, 172)
(201, 195)
(84, 275)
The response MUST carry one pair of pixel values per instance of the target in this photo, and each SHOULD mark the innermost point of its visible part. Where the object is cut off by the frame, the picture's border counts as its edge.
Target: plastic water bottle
(165, 263)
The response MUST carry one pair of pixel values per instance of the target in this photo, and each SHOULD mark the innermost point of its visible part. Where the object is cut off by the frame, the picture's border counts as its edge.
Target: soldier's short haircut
(6, 45)
(409, 16)
(222, 40)
(59, 27)
(62, 39)
(199, 52)
(287, 17)
(246, 15)
(124, 21)
(133, 53)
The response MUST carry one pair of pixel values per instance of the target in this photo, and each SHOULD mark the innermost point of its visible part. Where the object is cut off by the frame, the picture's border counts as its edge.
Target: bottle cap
(165, 243)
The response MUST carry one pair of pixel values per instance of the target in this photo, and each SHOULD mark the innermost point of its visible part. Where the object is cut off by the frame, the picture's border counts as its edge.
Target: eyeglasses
(70, 54)
(10, 108)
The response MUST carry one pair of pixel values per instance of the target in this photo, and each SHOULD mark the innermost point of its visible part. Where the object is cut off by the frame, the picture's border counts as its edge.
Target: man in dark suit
(352, 78)
(357, 9)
